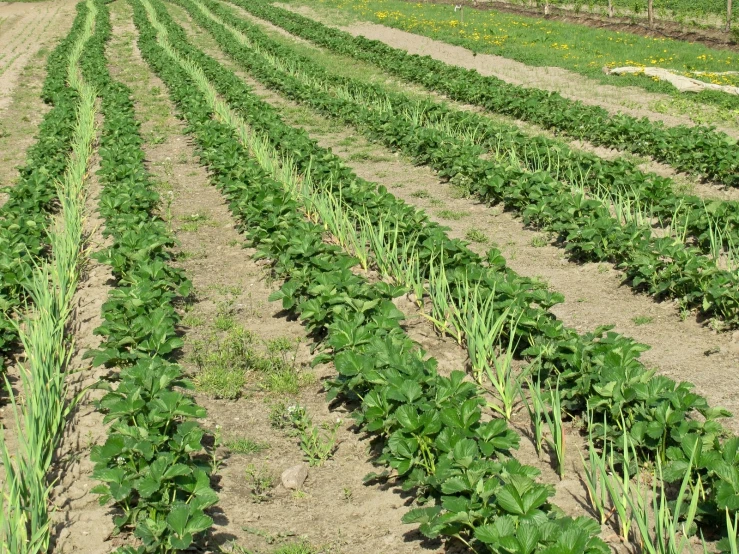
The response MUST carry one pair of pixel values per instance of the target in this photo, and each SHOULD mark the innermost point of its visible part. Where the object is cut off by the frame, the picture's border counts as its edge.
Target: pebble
(294, 477)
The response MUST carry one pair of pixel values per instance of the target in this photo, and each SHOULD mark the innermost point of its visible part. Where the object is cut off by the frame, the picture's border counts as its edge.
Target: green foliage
(279, 416)
(429, 428)
(475, 235)
(148, 465)
(296, 548)
(243, 445)
(318, 443)
(452, 215)
(223, 362)
(582, 220)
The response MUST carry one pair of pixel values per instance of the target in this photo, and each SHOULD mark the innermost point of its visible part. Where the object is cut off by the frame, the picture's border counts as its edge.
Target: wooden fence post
(610, 8)
(728, 15)
(650, 12)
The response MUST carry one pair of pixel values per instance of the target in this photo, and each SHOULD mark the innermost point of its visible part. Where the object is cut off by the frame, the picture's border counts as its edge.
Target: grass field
(678, 10)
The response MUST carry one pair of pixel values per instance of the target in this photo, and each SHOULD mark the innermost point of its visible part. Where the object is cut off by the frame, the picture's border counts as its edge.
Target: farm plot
(270, 305)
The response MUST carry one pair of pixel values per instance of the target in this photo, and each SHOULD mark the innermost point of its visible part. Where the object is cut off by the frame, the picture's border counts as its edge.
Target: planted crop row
(414, 411)
(149, 463)
(711, 224)
(24, 217)
(664, 266)
(699, 150)
(40, 404)
(599, 370)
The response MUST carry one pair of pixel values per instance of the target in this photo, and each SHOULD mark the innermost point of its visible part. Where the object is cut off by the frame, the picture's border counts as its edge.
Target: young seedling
(534, 409)
(475, 235)
(659, 528)
(446, 316)
(243, 445)
(729, 543)
(550, 405)
(482, 331)
(261, 481)
(317, 443)
(596, 489)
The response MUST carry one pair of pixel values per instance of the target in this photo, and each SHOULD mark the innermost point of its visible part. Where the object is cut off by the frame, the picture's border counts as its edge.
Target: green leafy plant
(549, 405)
(243, 445)
(261, 481)
(318, 443)
(475, 235)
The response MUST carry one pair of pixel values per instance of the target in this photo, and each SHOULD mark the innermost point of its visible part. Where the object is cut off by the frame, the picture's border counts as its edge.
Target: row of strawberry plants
(151, 464)
(24, 217)
(430, 426)
(600, 370)
(654, 196)
(664, 266)
(692, 149)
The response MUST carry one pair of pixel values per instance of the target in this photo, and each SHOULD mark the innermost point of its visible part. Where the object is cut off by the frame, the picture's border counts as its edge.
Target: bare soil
(633, 101)
(28, 27)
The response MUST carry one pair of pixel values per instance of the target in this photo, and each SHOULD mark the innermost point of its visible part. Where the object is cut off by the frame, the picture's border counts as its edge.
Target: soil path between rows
(633, 101)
